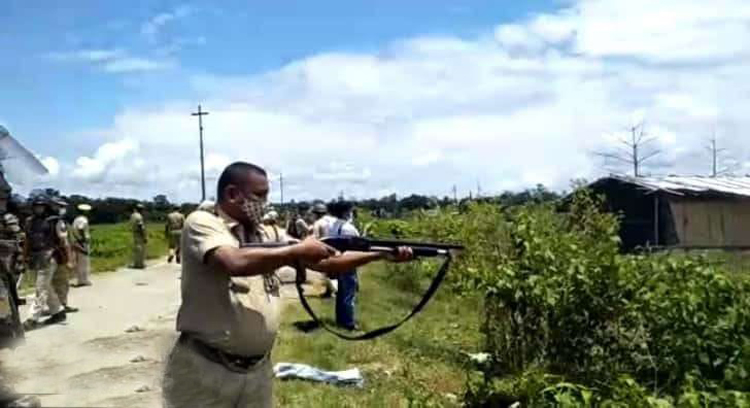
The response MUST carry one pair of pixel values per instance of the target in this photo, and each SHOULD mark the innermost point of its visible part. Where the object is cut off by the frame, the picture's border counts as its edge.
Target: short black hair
(232, 174)
(340, 208)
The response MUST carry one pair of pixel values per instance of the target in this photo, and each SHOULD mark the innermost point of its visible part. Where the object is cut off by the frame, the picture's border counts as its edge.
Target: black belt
(232, 362)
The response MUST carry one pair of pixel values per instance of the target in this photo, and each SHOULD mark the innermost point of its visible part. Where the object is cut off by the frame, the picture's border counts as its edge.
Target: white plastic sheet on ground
(306, 372)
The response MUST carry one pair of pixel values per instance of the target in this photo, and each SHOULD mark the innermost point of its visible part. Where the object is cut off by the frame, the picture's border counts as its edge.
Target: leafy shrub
(569, 321)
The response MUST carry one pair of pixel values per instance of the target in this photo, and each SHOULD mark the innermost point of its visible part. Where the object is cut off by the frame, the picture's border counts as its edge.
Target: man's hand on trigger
(312, 251)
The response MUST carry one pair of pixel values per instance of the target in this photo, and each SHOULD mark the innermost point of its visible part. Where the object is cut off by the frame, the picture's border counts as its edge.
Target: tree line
(114, 209)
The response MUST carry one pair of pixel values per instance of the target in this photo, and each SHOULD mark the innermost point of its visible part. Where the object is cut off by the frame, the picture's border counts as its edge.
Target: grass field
(112, 245)
(420, 364)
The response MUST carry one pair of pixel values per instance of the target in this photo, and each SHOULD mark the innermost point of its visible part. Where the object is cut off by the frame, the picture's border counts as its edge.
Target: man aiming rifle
(230, 308)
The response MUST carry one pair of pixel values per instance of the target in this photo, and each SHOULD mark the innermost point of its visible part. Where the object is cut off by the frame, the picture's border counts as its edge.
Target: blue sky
(434, 93)
(232, 38)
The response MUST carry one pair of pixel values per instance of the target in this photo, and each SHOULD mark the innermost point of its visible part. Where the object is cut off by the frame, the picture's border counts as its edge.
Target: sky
(369, 98)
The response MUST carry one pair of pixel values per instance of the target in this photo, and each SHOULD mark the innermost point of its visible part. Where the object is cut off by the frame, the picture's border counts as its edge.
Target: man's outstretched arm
(351, 259)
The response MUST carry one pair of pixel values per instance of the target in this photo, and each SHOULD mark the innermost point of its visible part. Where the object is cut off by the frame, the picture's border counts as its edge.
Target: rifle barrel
(381, 245)
(397, 243)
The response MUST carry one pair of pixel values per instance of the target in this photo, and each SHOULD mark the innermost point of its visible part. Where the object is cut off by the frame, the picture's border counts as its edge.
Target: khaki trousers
(139, 253)
(192, 381)
(83, 268)
(46, 296)
(61, 283)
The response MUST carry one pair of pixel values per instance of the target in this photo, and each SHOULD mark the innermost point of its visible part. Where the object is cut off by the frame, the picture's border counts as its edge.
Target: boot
(69, 309)
(58, 317)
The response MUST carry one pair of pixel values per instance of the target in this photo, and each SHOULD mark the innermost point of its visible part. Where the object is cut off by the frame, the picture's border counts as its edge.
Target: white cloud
(521, 104)
(133, 64)
(113, 157)
(151, 28)
(87, 55)
(52, 165)
(113, 61)
(663, 31)
(427, 158)
(342, 172)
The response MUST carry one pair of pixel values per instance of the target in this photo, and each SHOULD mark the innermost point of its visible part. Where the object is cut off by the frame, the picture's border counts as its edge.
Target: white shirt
(321, 226)
(342, 228)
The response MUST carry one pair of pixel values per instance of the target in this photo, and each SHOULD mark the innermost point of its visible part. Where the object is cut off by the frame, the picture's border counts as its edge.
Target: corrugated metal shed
(690, 185)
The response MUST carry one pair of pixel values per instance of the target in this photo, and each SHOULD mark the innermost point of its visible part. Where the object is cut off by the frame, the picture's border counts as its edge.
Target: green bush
(569, 321)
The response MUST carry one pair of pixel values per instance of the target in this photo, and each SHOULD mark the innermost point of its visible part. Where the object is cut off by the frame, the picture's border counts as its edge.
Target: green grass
(737, 263)
(112, 245)
(419, 364)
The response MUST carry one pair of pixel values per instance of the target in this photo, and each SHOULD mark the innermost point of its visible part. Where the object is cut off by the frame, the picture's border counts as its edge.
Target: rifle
(361, 244)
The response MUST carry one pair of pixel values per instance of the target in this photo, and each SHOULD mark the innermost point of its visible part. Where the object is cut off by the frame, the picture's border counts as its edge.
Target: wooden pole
(656, 219)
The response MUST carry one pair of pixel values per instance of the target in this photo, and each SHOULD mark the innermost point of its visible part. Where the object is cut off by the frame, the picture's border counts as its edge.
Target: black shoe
(58, 317)
(169, 259)
(21, 301)
(69, 309)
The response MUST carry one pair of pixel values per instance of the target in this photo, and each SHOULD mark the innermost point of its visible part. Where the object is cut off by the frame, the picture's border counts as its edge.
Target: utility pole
(714, 154)
(479, 189)
(200, 115)
(281, 187)
(455, 194)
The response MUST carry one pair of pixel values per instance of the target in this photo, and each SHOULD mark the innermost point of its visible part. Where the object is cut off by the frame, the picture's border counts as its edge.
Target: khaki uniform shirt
(80, 233)
(139, 229)
(175, 221)
(64, 249)
(239, 315)
(274, 233)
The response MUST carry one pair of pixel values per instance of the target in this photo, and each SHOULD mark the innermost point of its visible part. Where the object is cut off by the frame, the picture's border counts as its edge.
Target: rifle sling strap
(434, 285)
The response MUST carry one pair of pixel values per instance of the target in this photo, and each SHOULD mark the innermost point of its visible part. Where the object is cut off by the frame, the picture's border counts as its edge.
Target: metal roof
(691, 185)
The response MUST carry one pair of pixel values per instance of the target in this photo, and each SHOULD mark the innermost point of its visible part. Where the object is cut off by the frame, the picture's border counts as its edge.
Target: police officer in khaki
(81, 244)
(271, 228)
(11, 237)
(140, 237)
(230, 308)
(40, 245)
(173, 232)
(63, 254)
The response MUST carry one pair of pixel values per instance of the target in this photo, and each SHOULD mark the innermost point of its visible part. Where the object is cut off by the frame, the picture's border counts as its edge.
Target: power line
(200, 115)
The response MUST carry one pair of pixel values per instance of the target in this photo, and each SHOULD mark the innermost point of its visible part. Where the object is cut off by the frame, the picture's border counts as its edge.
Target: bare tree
(635, 152)
(716, 152)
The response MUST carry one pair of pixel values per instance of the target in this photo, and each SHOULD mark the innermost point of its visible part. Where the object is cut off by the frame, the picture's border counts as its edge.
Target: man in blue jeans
(348, 284)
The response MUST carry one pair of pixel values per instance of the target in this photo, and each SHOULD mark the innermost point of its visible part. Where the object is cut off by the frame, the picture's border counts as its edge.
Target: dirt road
(110, 353)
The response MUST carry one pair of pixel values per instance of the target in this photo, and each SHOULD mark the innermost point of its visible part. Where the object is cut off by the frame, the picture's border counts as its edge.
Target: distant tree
(717, 157)
(415, 202)
(635, 152)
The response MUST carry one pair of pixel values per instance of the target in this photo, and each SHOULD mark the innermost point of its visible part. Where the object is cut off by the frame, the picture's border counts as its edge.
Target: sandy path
(86, 362)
